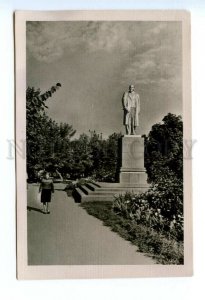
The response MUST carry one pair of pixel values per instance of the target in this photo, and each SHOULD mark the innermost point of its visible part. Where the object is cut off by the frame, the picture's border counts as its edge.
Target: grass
(160, 248)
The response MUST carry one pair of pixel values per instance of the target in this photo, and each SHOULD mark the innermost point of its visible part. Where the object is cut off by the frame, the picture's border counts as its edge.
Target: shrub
(69, 187)
(160, 208)
(104, 175)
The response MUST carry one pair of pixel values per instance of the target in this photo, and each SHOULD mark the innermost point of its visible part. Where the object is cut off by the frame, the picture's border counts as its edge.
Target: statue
(131, 106)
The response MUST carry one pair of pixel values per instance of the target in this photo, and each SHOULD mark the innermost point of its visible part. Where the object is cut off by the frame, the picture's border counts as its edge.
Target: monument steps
(103, 186)
(92, 186)
(99, 191)
(116, 189)
(85, 189)
(105, 192)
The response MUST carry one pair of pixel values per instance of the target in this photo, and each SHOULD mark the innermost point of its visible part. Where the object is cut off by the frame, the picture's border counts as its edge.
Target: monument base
(132, 169)
(133, 177)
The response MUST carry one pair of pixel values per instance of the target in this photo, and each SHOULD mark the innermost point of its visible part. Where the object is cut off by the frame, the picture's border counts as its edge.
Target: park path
(69, 236)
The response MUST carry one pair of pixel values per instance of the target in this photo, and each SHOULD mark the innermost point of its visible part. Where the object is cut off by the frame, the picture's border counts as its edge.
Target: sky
(96, 62)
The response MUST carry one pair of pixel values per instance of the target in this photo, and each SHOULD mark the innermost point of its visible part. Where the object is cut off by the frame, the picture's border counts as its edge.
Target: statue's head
(131, 87)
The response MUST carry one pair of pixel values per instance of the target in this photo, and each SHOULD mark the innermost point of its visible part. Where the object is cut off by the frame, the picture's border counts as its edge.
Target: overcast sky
(96, 61)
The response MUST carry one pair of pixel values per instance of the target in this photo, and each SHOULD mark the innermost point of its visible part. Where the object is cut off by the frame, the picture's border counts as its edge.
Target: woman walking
(46, 188)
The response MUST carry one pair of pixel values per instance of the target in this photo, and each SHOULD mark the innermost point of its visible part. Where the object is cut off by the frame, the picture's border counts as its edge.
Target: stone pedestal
(132, 169)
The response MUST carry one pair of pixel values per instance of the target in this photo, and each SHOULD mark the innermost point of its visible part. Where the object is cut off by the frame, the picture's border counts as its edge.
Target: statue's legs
(128, 124)
(132, 126)
(128, 131)
(132, 121)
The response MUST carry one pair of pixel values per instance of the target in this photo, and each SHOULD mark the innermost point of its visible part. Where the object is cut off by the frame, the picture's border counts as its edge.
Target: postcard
(103, 144)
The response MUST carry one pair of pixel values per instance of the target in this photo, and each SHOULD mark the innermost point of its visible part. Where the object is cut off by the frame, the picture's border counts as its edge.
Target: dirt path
(69, 236)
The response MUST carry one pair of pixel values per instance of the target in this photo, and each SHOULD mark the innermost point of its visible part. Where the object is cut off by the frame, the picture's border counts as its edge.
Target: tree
(111, 161)
(81, 161)
(47, 141)
(105, 156)
(164, 148)
(93, 156)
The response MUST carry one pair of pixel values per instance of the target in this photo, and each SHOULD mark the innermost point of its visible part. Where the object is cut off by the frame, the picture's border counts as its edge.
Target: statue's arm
(139, 103)
(124, 102)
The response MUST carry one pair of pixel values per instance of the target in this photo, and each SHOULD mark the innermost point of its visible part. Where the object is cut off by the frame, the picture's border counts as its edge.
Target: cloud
(108, 36)
(47, 41)
(160, 61)
(152, 50)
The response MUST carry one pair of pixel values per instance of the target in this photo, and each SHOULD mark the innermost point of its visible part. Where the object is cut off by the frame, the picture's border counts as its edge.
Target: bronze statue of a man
(131, 106)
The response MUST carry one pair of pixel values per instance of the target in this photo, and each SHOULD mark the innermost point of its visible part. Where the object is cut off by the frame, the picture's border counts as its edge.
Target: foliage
(47, 141)
(69, 187)
(164, 250)
(105, 157)
(35, 103)
(160, 208)
(164, 148)
(80, 161)
(93, 156)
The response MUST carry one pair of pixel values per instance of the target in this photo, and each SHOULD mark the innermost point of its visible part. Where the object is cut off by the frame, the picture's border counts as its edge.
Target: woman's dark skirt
(46, 196)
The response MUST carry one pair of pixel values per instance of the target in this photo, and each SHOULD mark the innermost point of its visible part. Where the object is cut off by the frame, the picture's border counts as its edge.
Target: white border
(57, 272)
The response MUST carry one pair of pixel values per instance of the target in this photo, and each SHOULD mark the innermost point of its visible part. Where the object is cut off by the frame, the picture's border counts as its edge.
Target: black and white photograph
(103, 105)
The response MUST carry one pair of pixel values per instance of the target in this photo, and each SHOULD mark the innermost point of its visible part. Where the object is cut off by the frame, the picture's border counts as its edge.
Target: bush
(103, 175)
(70, 185)
(160, 208)
(69, 188)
